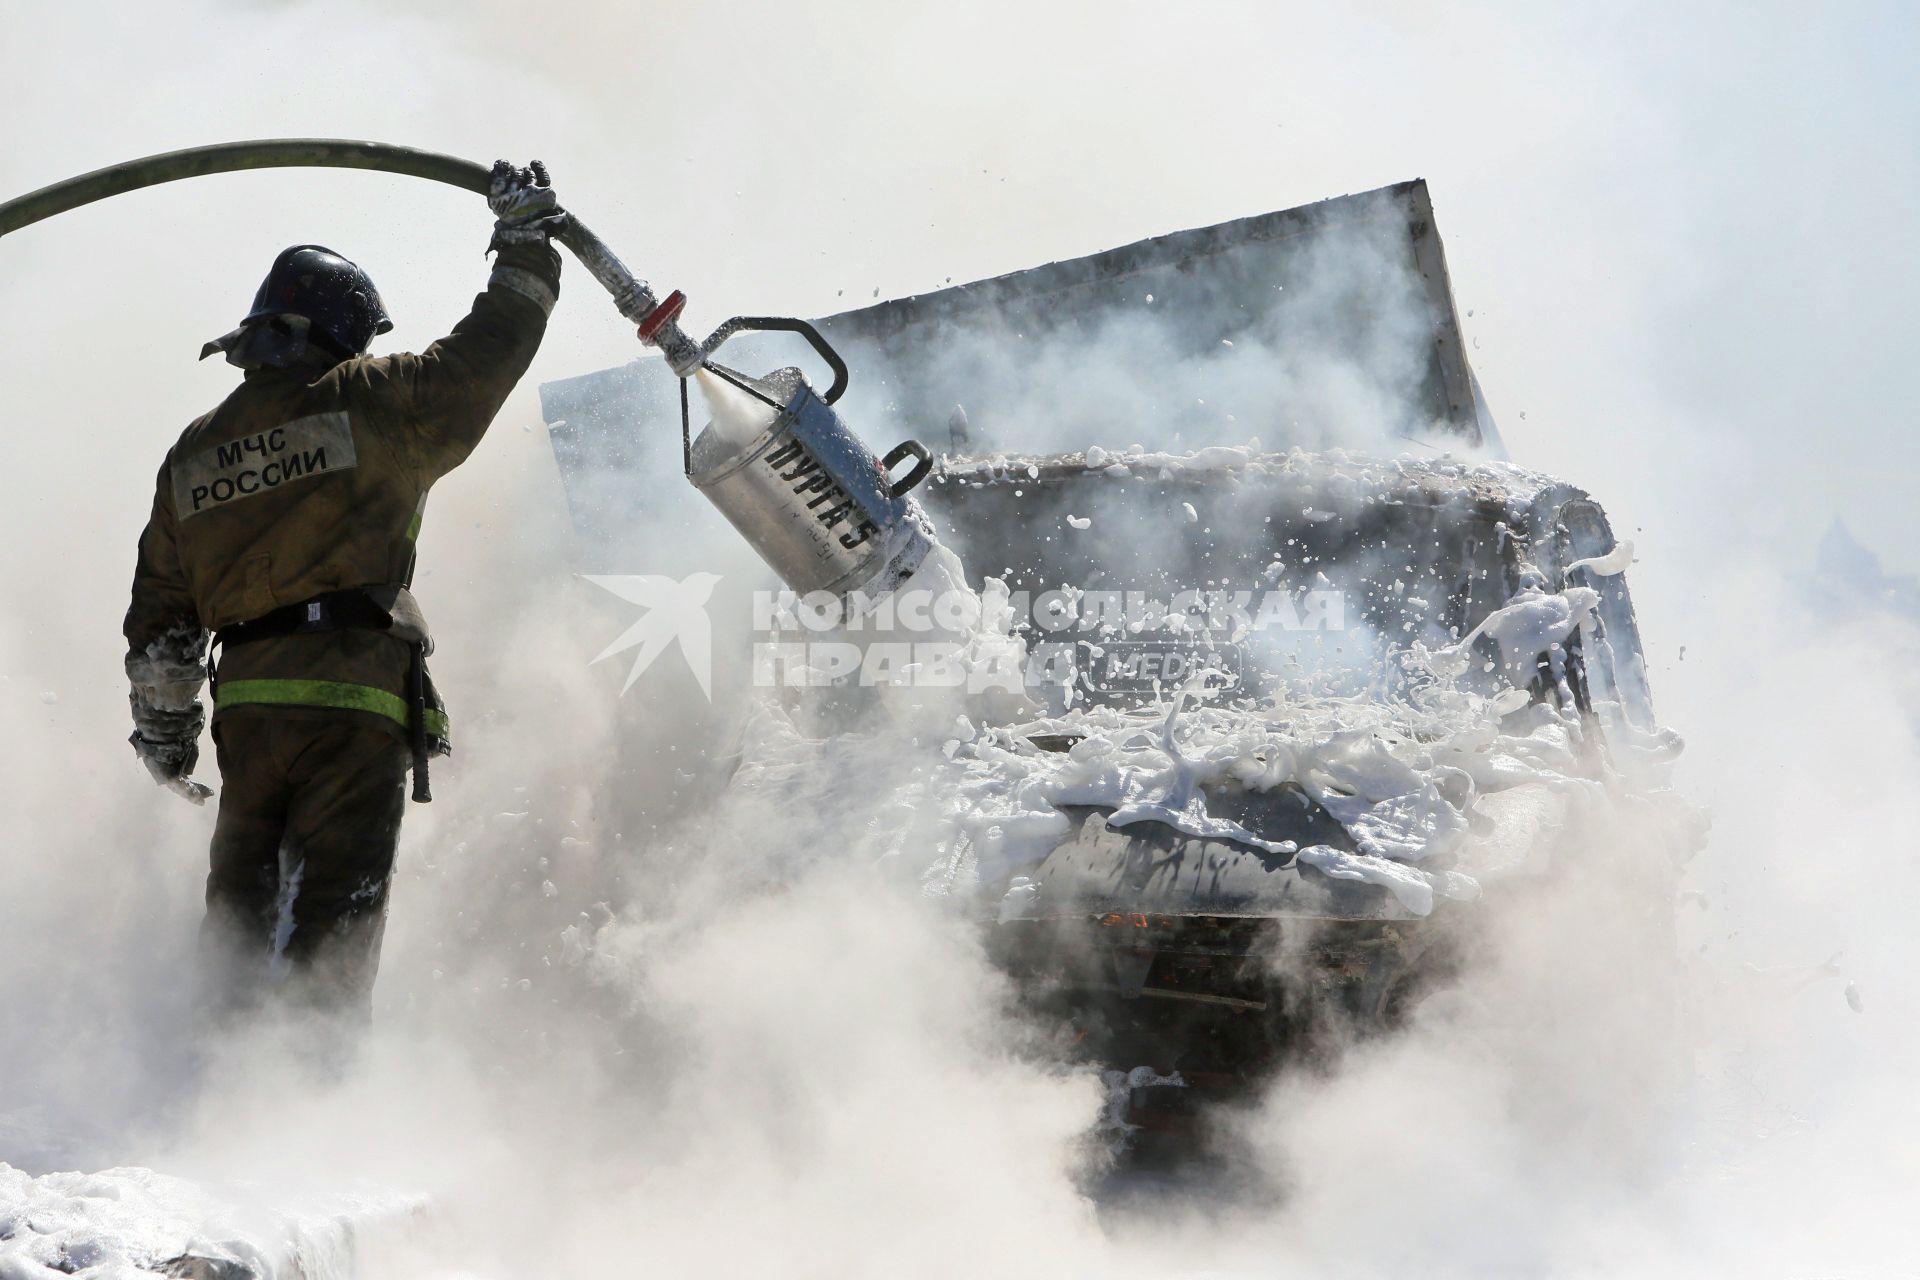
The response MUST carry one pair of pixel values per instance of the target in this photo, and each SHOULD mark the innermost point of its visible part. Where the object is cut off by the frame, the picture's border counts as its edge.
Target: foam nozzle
(661, 328)
(683, 354)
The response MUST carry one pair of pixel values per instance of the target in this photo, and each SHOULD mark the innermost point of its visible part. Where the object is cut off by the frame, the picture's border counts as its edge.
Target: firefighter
(281, 546)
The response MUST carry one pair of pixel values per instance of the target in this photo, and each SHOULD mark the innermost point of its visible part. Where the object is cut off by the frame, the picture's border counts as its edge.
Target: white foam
(1612, 563)
(737, 416)
(133, 1222)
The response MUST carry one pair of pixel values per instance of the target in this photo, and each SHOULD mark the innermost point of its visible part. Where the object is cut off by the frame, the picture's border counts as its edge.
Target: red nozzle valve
(663, 315)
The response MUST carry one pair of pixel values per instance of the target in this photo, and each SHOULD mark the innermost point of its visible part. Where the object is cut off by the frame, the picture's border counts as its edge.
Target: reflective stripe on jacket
(334, 694)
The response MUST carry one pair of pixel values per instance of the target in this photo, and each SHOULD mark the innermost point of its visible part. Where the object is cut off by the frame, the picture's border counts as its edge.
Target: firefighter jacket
(306, 481)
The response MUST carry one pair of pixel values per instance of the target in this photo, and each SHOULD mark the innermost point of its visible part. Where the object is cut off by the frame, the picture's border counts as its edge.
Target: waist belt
(353, 608)
(386, 609)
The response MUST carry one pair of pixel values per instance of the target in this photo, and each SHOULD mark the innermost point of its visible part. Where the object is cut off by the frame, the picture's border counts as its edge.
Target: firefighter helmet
(342, 308)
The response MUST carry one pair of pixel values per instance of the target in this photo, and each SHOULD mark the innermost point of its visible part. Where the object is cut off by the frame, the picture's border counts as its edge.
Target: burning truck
(1301, 677)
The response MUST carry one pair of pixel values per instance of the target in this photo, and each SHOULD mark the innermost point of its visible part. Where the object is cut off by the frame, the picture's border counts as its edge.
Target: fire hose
(657, 319)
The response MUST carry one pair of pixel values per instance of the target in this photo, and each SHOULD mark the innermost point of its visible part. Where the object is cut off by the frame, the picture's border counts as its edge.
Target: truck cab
(1246, 490)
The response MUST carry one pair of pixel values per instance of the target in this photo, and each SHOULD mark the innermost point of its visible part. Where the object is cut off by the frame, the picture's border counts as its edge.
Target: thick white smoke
(614, 1033)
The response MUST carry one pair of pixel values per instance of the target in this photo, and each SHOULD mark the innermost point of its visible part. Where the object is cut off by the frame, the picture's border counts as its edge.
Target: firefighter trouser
(302, 855)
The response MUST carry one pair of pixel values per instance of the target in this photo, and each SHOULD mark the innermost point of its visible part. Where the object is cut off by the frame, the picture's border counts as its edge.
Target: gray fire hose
(226, 157)
(658, 320)
(630, 294)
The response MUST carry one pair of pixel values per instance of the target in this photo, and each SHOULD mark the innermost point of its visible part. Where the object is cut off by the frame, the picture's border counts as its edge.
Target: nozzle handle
(899, 488)
(785, 324)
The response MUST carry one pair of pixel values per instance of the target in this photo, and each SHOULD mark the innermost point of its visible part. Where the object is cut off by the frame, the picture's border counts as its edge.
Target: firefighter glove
(164, 695)
(524, 205)
(170, 758)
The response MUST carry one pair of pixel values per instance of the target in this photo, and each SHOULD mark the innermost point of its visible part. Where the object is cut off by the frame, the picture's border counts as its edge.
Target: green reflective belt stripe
(413, 527)
(324, 693)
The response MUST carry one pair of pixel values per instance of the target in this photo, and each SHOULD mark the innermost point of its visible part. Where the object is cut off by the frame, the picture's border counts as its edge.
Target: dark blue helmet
(342, 308)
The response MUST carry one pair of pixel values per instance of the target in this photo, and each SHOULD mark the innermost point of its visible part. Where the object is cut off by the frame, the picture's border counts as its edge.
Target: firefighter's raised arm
(446, 396)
